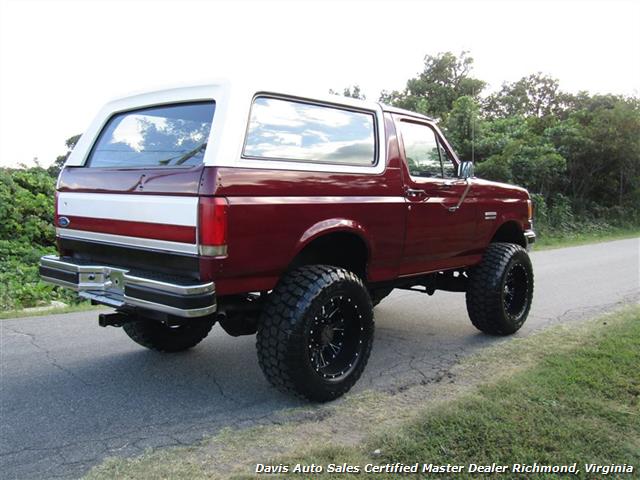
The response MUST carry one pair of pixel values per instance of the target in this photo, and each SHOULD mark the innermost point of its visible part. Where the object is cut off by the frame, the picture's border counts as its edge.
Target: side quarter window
(421, 149)
(287, 130)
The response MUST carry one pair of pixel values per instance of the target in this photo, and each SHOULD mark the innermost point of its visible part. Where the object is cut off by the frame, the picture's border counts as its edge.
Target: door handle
(412, 193)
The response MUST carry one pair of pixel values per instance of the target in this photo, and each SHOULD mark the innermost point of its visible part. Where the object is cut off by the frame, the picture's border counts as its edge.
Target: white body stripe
(169, 210)
(144, 243)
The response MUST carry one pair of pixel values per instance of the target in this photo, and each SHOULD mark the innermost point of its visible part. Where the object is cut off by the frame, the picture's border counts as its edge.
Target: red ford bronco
(284, 215)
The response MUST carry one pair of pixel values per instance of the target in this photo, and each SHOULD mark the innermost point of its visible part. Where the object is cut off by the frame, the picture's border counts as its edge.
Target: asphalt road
(73, 393)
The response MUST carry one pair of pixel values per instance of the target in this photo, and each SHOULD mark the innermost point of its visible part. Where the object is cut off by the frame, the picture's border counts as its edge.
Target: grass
(551, 240)
(578, 406)
(567, 394)
(81, 307)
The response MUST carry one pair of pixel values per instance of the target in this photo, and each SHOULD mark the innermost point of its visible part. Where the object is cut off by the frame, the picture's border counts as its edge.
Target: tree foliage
(55, 168)
(445, 78)
(26, 233)
(578, 150)
(352, 91)
(536, 95)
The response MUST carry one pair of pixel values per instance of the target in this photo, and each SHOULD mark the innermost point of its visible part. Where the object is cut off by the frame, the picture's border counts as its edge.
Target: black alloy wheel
(315, 332)
(336, 338)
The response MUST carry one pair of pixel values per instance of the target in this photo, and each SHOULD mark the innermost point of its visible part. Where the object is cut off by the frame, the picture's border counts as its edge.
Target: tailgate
(143, 231)
(134, 202)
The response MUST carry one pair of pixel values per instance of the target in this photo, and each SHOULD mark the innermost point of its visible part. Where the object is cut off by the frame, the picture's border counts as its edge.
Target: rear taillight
(212, 226)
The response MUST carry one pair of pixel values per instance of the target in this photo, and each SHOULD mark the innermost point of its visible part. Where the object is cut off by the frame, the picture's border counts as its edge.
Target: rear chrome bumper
(530, 237)
(118, 287)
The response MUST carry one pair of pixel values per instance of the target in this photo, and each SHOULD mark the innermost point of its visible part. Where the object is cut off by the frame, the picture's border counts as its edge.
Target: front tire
(155, 335)
(315, 333)
(500, 289)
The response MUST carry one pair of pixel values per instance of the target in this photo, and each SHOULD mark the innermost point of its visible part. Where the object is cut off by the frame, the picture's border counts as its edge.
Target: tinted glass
(288, 130)
(448, 165)
(168, 136)
(421, 150)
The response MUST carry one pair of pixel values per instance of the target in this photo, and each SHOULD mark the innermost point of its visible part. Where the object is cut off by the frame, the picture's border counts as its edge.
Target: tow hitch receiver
(115, 319)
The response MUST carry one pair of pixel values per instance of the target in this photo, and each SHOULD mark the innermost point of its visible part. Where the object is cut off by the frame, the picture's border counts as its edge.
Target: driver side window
(421, 150)
(426, 157)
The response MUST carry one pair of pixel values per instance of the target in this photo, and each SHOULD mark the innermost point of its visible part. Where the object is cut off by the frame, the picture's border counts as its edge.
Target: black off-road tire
(500, 289)
(157, 336)
(379, 294)
(335, 303)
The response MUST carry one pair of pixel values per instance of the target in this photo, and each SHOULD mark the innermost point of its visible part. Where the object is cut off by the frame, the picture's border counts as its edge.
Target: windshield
(166, 136)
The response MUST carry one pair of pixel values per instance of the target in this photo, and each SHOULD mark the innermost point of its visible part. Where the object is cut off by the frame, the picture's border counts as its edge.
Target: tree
(54, 169)
(352, 91)
(536, 95)
(601, 143)
(464, 127)
(444, 79)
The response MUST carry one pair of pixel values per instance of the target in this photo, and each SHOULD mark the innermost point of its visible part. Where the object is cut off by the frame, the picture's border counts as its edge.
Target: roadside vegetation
(578, 406)
(578, 154)
(27, 233)
(567, 394)
(52, 309)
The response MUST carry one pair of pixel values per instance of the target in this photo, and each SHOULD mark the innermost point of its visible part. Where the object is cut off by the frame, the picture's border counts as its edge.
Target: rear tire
(500, 289)
(157, 336)
(316, 332)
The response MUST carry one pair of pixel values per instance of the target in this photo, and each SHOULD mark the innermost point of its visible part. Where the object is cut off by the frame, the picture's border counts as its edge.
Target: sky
(60, 61)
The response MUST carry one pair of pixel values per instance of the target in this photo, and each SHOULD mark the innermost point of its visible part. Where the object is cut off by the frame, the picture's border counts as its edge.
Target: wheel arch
(339, 242)
(510, 231)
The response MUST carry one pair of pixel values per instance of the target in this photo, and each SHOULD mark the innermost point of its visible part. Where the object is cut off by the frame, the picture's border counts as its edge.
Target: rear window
(282, 129)
(166, 136)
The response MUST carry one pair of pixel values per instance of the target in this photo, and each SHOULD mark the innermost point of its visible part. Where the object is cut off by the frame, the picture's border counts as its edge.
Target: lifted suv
(284, 215)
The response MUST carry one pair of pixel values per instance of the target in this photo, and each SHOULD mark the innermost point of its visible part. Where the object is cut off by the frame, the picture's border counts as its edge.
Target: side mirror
(466, 170)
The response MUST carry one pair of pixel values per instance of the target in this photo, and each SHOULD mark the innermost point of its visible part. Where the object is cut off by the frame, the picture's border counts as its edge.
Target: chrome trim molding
(105, 284)
(530, 238)
(192, 313)
(212, 251)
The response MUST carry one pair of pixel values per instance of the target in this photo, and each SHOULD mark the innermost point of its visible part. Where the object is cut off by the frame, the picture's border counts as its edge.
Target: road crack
(52, 360)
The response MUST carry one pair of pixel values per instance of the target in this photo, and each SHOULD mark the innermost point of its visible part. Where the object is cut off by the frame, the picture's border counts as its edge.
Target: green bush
(26, 233)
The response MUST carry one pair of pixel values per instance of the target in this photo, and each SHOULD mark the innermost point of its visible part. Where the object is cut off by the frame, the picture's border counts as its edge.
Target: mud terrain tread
(483, 296)
(161, 338)
(280, 339)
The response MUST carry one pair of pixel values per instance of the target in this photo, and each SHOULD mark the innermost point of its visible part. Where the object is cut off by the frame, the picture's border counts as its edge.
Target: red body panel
(165, 181)
(157, 231)
(273, 214)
